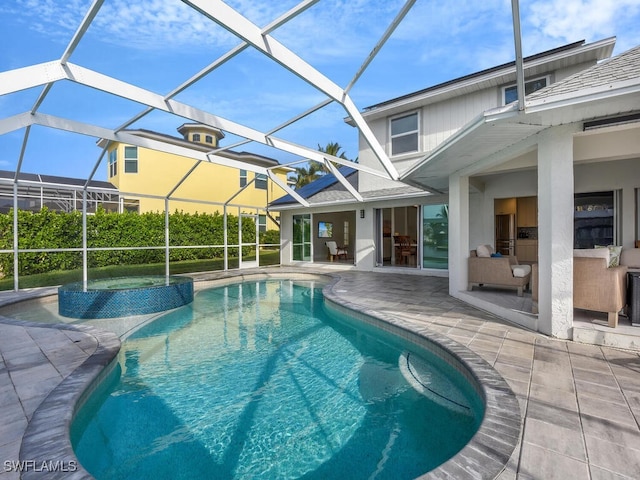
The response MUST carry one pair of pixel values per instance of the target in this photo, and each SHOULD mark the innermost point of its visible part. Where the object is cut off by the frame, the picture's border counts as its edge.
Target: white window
(113, 162)
(510, 93)
(131, 159)
(404, 134)
(261, 181)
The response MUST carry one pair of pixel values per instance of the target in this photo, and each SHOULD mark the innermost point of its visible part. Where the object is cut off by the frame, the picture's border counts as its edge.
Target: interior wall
(320, 252)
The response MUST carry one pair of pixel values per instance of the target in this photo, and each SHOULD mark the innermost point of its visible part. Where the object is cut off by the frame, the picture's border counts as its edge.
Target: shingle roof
(625, 66)
(323, 183)
(328, 189)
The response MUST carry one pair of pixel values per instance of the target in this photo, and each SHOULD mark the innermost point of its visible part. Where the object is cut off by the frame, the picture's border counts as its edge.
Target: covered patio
(580, 135)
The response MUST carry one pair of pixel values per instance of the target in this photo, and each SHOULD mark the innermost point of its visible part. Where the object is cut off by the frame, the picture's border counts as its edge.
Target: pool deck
(580, 404)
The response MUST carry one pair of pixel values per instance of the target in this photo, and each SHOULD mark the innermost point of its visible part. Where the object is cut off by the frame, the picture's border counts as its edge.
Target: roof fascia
(352, 201)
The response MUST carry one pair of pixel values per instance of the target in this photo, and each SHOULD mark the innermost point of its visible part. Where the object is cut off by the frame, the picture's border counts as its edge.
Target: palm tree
(315, 170)
(333, 148)
(305, 175)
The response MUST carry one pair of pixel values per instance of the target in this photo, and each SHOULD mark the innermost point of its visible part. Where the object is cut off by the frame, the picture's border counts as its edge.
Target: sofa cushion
(593, 253)
(614, 254)
(484, 250)
(521, 271)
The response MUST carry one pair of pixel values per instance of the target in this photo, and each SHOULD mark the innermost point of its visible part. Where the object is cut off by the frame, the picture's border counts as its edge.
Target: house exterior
(466, 149)
(147, 177)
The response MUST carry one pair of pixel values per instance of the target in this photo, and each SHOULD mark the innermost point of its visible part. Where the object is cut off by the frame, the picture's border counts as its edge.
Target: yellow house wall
(159, 172)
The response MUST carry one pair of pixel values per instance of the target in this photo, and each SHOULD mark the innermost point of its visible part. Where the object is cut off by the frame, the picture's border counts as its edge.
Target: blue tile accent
(156, 294)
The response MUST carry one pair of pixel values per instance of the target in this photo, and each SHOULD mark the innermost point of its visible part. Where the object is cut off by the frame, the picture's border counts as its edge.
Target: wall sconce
(361, 213)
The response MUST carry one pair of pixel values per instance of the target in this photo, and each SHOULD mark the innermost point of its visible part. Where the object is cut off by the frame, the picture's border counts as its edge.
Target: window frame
(195, 137)
(261, 181)
(113, 163)
(503, 90)
(404, 134)
(243, 178)
(208, 139)
(130, 163)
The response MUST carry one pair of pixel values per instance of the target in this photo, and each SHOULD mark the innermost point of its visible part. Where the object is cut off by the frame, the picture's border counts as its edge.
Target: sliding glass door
(397, 237)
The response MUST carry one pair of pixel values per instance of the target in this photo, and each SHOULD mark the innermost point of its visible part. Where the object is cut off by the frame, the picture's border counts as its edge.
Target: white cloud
(572, 20)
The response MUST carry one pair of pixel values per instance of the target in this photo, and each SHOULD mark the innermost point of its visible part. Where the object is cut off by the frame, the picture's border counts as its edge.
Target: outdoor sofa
(499, 271)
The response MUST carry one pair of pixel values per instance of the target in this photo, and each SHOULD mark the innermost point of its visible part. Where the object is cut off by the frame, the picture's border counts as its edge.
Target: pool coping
(485, 456)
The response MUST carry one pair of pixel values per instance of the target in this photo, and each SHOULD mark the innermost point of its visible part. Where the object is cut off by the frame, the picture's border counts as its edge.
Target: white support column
(458, 232)
(167, 251)
(225, 239)
(555, 231)
(85, 257)
(16, 263)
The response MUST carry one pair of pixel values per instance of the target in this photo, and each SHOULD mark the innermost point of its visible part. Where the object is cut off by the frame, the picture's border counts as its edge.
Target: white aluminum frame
(251, 36)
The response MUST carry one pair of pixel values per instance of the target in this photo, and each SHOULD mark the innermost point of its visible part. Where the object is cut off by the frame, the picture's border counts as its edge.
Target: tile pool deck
(580, 404)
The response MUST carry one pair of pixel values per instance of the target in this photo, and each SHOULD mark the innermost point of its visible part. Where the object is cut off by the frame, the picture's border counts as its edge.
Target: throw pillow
(614, 254)
(496, 255)
(484, 251)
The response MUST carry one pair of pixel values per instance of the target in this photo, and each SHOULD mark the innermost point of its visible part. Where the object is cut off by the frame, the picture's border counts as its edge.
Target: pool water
(261, 380)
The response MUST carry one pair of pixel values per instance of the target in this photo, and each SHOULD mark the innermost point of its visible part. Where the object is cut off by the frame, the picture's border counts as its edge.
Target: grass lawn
(267, 257)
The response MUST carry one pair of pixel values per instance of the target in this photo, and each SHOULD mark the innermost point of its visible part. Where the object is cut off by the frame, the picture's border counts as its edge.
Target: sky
(158, 44)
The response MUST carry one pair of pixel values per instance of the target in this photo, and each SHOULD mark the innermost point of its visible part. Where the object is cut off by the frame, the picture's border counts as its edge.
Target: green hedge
(48, 229)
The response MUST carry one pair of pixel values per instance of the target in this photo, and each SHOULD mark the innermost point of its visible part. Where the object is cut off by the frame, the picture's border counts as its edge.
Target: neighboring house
(60, 194)
(464, 151)
(146, 177)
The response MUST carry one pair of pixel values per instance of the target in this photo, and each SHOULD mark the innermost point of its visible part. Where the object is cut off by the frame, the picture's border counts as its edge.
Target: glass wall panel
(435, 241)
(302, 238)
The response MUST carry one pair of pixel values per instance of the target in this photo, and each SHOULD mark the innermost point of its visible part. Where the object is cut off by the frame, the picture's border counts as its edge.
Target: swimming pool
(264, 379)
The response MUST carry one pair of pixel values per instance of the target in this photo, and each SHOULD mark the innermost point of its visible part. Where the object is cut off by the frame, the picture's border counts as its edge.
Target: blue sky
(158, 44)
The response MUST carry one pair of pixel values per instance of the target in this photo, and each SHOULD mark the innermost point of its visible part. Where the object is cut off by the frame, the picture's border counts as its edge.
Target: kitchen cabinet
(504, 206)
(527, 250)
(527, 212)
